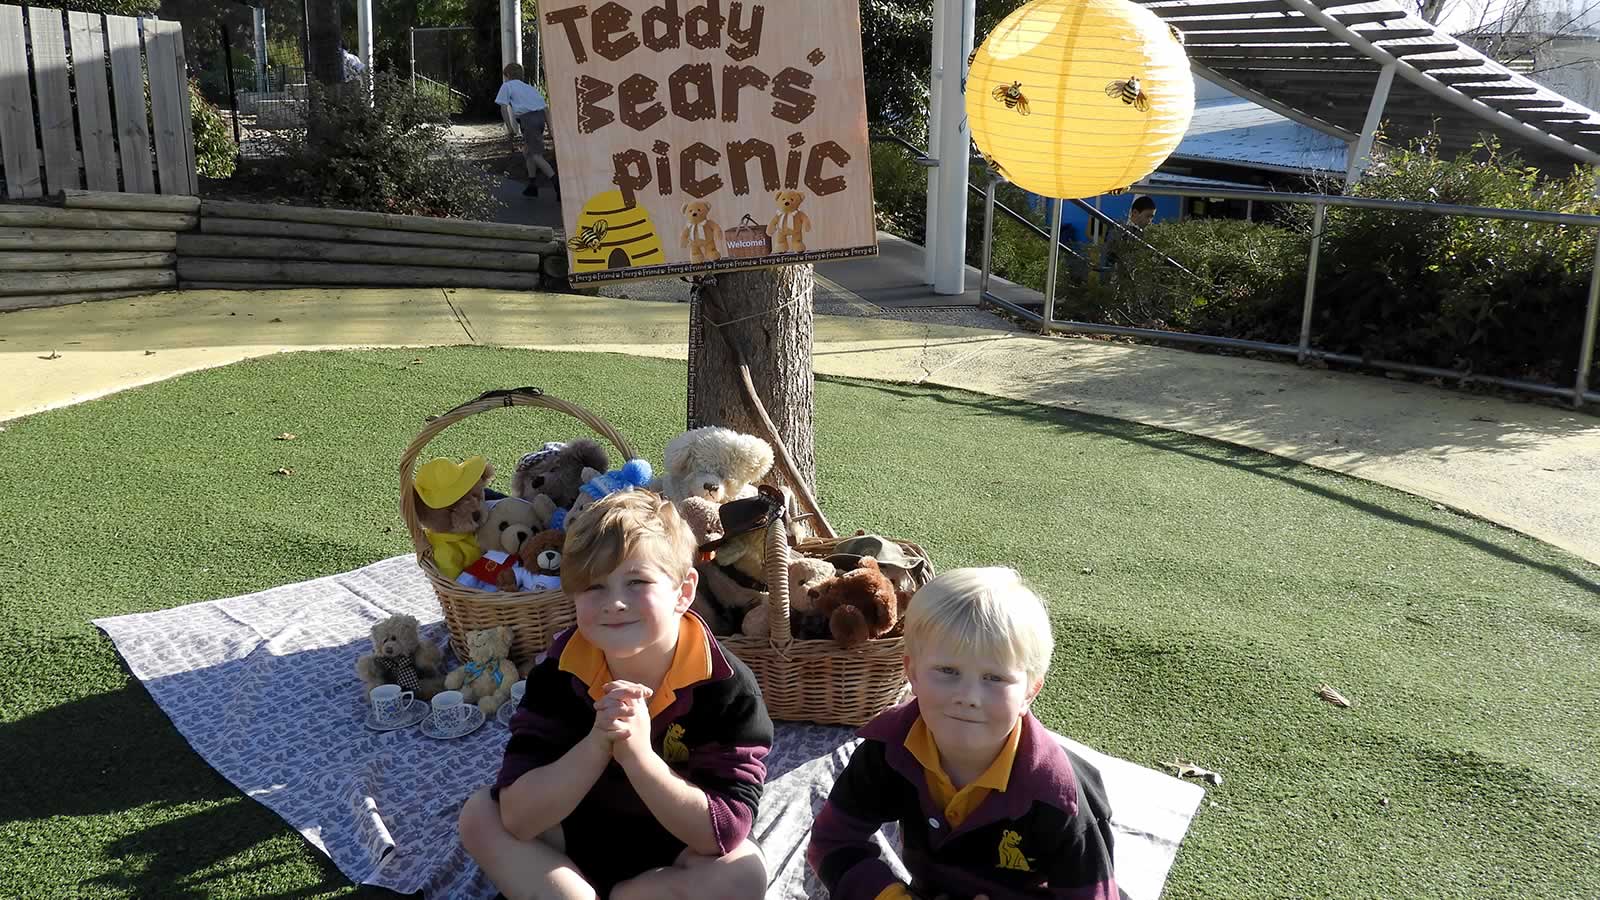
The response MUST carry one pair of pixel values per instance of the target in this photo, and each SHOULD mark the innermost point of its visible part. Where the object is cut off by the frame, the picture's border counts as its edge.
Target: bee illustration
(968, 68)
(1116, 192)
(1176, 34)
(1130, 93)
(995, 168)
(590, 236)
(1011, 96)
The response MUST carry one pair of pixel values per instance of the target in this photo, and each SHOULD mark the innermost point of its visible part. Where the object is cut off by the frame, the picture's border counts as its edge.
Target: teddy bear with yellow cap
(450, 506)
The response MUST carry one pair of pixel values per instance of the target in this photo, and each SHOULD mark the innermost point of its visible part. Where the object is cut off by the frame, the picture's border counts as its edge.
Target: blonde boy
(636, 759)
(989, 804)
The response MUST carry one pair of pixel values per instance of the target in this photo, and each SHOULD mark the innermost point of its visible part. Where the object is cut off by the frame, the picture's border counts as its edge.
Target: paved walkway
(1531, 467)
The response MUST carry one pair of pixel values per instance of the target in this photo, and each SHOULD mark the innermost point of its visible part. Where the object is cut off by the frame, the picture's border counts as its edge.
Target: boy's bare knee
(479, 822)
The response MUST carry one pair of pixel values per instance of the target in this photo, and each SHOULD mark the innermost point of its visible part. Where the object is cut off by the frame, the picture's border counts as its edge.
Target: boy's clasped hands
(622, 720)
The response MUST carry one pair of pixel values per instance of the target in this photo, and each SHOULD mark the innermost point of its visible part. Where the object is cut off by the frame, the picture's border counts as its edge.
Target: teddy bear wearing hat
(450, 507)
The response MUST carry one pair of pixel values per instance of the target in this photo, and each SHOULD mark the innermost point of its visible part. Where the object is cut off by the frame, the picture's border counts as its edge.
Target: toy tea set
(800, 610)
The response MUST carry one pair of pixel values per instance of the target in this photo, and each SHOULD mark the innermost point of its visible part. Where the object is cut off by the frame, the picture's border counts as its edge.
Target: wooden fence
(85, 119)
(100, 246)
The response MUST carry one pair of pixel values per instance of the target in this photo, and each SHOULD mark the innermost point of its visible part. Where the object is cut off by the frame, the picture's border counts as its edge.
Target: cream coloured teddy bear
(487, 677)
(719, 464)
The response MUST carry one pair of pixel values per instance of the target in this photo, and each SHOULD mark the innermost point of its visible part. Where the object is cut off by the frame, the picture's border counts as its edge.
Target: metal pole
(955, 142)
(413, 61)
(364, 37)
(988, 237)
(233, 96)
(930, 232)
(258, 19)
(1586, 350)
(1311, 280)
(1050, 268)
(1360, 155)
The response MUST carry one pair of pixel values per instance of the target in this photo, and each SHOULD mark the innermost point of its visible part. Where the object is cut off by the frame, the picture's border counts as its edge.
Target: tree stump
(767, 314)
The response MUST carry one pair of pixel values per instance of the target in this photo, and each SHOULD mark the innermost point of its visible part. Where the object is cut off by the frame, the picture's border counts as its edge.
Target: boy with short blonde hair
(989, 803)
(636, 759)
(522, 103)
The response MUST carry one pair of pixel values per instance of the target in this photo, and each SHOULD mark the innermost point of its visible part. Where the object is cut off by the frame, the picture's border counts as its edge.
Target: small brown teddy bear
(789, 226)
(487, 677)
(542, 552)
(860, 604)
(700, 232)
(450, 507)
(556, 471)
(806, 577)
(400, 656)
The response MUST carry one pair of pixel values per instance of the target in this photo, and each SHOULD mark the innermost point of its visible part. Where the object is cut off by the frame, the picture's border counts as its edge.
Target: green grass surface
(1200, 594)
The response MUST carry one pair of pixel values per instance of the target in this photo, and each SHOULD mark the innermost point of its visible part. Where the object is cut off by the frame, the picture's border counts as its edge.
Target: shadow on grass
(1218, 453)
(115, 754)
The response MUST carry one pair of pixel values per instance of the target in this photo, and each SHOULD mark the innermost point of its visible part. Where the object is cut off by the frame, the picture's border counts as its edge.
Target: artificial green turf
(1200, 595)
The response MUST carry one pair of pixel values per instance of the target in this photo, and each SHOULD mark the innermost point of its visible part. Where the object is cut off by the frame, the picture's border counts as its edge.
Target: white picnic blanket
(264, 688)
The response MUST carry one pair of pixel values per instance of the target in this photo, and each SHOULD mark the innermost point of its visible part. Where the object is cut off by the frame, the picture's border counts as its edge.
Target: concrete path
(1530, 467)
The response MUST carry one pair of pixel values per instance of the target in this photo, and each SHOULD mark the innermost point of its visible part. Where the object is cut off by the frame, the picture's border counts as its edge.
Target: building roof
(1238, 131)
(1318, 62)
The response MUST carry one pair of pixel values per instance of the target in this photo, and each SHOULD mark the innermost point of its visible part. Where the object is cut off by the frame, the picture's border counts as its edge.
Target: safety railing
(1578, 394)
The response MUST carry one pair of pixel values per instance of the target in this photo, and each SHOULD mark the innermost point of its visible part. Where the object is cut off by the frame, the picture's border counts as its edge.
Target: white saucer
(415, 713)
(475, 718)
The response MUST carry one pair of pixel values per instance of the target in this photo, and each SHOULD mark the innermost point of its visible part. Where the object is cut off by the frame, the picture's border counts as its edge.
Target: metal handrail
(1579, 393)
(923, 159)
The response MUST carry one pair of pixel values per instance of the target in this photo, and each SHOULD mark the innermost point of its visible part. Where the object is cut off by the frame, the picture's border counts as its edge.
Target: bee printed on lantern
(1130, 92)
(1011, 96)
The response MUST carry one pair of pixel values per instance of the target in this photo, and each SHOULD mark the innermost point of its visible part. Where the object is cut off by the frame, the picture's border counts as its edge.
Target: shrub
(215, 154)
(392, 155)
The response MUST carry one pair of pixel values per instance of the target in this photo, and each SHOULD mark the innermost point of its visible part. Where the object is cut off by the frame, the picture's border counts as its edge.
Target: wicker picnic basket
(817, 680)
(534, 618)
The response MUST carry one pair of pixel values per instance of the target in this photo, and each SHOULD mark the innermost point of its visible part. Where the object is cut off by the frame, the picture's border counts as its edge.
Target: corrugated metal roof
(1238, 131)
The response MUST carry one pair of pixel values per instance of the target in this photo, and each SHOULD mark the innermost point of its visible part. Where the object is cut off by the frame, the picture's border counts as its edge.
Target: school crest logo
(672, 748)
(1011, 853)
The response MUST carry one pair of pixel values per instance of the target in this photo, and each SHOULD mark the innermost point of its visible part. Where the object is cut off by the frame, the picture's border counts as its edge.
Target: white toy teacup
(449, 709)
(390, 704)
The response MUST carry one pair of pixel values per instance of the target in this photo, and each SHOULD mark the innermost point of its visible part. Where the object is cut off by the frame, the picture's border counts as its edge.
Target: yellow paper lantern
(1074, 98)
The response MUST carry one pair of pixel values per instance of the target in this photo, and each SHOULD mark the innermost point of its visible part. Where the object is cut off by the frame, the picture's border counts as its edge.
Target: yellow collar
(919, 740)
(691, 664)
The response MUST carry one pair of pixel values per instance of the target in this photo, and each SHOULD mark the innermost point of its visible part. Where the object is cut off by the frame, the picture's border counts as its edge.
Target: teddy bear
(789, 226)
(806, 577)
(400, 656)
(703, 517)
(555, 471)
(860, 604)
(488, 674)
(542, 554)
(450, 507)
(635, 473)
(716, 463)
(510, 523)
(700, 232)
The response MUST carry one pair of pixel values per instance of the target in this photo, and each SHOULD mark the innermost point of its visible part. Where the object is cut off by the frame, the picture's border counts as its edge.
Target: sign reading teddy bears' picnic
(706, 135)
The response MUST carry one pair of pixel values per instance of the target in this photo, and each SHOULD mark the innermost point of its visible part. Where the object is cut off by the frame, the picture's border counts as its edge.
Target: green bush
(392, 155)
(1239, 279)
(1482, 295)
(899, 191)
(215, 154)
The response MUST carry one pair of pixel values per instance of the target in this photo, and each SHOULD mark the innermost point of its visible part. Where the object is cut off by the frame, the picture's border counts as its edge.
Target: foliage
(215, 154)
(900, 190)
(392, 155)
(109, 7)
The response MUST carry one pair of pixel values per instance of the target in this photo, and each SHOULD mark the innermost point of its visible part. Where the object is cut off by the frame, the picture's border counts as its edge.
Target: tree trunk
(767, 315)
(324, 63)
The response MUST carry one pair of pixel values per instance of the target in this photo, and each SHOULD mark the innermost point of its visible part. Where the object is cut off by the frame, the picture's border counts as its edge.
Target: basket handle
(779, 629)
(748, 220)
(496, 399)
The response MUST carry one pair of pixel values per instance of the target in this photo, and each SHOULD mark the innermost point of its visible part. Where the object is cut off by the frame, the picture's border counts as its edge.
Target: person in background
(1139, 218)
(521, 102)
(354, 68)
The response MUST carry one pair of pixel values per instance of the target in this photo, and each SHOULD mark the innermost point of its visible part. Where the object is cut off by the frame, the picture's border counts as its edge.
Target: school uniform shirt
(1036, 824)
(707, 721)
(521, 96)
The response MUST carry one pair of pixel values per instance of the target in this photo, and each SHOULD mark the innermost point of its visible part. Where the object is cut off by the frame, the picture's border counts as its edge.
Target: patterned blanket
(263, 687)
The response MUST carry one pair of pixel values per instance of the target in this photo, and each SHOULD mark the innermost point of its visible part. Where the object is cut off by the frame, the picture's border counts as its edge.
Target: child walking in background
(521, 102)
(989, 803)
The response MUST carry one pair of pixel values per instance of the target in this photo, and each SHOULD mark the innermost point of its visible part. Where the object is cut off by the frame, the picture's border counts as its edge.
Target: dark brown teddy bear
(860, 604)
(556, 471)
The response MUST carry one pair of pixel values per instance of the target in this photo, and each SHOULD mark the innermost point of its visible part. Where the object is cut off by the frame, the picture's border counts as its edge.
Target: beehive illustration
(612, 234)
